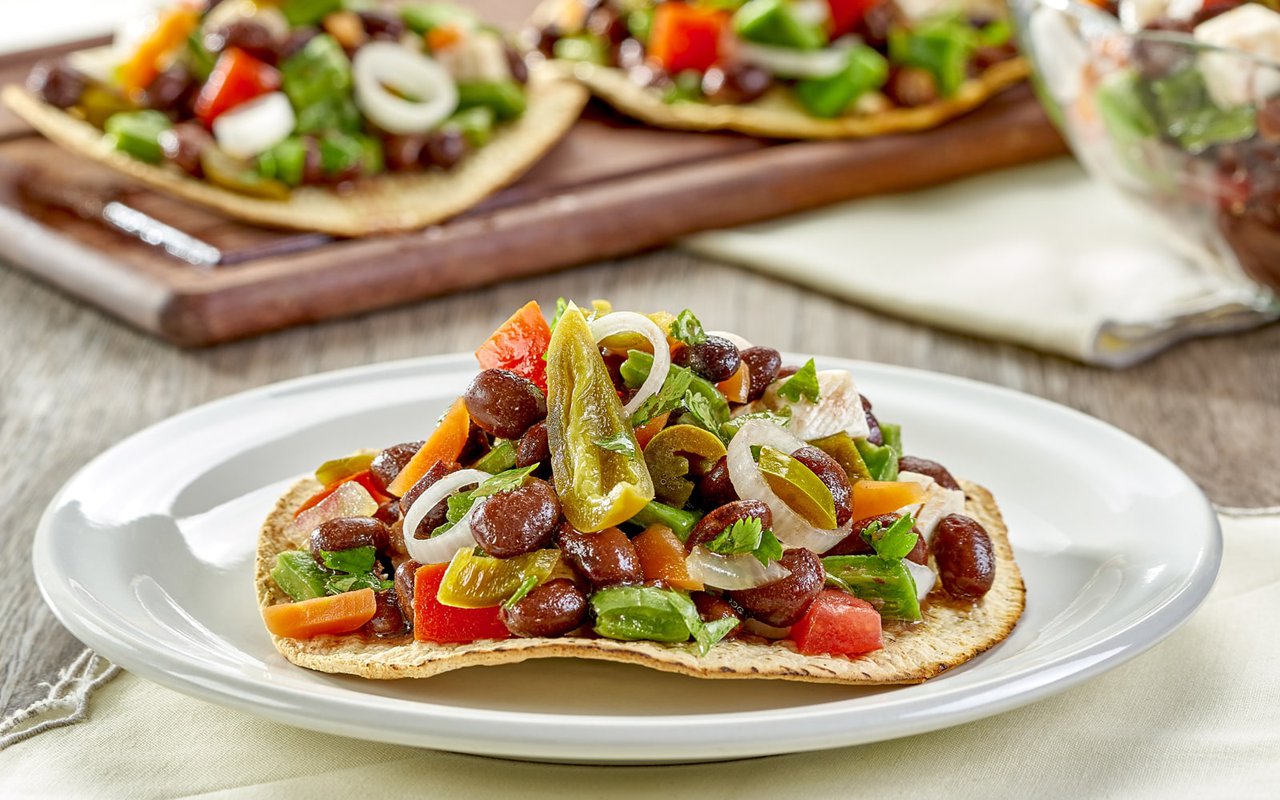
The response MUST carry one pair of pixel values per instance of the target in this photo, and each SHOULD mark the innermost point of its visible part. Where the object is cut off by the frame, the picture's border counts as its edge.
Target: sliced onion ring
(738, 571)
(791, 529)
(924, 577)
(440, 549)
(758, 628)
(378, 65)
(631, 322)
(786, 62)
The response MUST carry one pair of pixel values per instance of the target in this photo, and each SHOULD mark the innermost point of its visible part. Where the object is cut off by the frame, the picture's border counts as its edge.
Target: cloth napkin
(1041, 256)
(1198, 716)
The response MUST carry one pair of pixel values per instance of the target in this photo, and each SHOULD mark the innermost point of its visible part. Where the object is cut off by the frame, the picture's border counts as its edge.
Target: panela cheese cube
(1234, 80)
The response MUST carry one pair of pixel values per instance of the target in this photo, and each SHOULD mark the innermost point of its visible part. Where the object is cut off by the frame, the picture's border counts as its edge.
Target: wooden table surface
(73, 382)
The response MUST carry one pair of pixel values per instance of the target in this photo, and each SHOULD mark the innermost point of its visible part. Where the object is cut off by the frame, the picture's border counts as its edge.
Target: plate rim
(510, 733)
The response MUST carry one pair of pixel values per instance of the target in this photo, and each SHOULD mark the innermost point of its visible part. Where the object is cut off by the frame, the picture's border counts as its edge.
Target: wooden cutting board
(611, 187)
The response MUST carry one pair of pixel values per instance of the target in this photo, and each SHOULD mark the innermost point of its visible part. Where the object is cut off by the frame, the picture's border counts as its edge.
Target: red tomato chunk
(838, 624)
(433, 621)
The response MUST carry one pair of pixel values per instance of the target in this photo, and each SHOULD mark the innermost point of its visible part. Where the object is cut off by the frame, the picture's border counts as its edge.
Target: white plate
(147, 556)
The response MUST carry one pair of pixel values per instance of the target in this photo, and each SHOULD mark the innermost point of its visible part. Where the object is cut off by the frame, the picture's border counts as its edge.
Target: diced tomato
(339, 613)
(365, 479)
(686, 37)
(838, 624)
(519, 345)
(433, 621)
(444, 444)
(846, 14)
(236, 78)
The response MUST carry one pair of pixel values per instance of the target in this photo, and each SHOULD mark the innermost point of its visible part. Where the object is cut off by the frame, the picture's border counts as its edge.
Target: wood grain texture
(73, 382)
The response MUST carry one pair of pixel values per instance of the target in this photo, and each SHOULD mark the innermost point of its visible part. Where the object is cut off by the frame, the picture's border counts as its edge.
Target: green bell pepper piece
(317, 81)
(598, 487)
(298, 576)
(942, 45)
(475, 124)
(881, 460)
(138, 134)
(286, 162)
(639, 23)
(505, 98)
(639, 613)
(340, 152)
(680, 522)
(1189, 115)
(308, 12)
(222, 170)
(636, 368)
(892, 435)
(885, 584)
(500, 458)
(771, 22)
(423, 17)
(199, 60)
(831, 96)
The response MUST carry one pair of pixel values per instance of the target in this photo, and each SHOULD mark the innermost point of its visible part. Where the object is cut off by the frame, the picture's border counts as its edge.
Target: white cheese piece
(1232, 79)
(916, 477)
(938, 503)
(838, 410)
(478, 57)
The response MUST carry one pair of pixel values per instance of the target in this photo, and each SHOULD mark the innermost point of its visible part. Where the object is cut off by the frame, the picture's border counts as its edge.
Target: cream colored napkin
(1040, 256)
(1198, 716)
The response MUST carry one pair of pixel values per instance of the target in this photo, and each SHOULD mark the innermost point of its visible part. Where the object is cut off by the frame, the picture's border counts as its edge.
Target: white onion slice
(758, 628)
(785, 62)
(738, 341)
(738, 571)
(256, 126)
(631, 322)
(378, 65)
(440, 549)
(791, 529)
(923, 576)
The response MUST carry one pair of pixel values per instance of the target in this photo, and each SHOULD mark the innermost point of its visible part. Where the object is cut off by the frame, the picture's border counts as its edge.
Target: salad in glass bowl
(1177, 104)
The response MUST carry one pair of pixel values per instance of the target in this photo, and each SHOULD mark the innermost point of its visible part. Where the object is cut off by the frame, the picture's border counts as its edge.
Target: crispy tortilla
(384, 204)
(779, 115)
(950, 635)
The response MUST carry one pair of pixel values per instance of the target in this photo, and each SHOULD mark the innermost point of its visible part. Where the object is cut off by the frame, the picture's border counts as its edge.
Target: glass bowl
(1188, 131)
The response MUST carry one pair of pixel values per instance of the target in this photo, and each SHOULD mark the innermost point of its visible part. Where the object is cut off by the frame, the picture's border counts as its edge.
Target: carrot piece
(662, 558)
(737, 386)
(143, 64)
(444, 444)
(339, 613)
(650, 429)
(442, 37)
(872, 498)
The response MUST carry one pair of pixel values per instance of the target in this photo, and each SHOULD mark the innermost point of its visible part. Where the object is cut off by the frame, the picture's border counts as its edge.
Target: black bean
(931, 468)
(182, 145)
(436, 516)
(403, 153)
(387, 618)
(517, 521)
(876, 436)
(405, 574)
(504, 403)
(604, 558)
(533, 447)
(552, 609)
(252, 37)
(388, 463)
(763, 364)
(445, 148)
(345, 533)
(832, 476)
(966, 560)
(56, 82)
(783, 602)
(735, 85)
(714, 358)
(714, 523)
(715, 488)
(382, 25)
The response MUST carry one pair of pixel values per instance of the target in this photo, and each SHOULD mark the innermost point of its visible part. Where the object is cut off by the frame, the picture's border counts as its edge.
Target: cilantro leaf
(688, 329)
(802, 384)
(618, 443)
(781, 418)
(742, 536)
(894, 542)
(700, 409)
(355, 559)
(747, 536)
(668, 398)
(339, 584)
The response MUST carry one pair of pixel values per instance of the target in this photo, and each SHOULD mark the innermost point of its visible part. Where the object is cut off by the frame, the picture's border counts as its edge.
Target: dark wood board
(610, 187)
